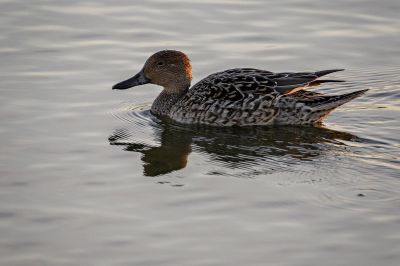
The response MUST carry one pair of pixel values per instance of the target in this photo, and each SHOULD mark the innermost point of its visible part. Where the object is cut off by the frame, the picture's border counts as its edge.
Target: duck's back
(232, 97)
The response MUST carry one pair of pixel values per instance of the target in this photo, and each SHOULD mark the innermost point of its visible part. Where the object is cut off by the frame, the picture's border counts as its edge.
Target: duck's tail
(309, 108)
(321, 106)
(333, 101)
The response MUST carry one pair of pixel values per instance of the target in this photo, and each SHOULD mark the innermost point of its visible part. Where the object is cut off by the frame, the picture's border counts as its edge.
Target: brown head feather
(170, 69)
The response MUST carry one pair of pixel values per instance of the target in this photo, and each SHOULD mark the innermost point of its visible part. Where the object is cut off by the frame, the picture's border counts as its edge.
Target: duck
(235, 97)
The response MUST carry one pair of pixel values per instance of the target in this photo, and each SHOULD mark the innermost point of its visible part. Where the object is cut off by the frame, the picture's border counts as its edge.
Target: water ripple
(250, 151)
(365, 195)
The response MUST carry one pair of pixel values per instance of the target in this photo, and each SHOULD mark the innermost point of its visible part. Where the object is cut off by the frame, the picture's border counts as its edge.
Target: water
(89, 177)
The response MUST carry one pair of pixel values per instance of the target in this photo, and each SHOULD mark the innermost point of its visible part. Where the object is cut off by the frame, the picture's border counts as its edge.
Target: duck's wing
(290, 82)
(239, 83)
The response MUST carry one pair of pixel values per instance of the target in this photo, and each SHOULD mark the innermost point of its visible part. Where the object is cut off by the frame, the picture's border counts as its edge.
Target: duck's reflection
(233, 147)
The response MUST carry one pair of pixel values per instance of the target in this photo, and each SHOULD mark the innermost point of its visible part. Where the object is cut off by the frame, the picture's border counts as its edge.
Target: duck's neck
(165, 100)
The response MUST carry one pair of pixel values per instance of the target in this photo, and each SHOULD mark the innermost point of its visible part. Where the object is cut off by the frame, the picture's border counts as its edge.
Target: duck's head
(170, 69)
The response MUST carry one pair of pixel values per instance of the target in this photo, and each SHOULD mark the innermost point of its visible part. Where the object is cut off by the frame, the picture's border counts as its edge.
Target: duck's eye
(160, 63)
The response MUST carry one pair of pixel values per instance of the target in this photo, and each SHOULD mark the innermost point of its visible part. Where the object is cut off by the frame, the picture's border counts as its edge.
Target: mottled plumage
(236, 97)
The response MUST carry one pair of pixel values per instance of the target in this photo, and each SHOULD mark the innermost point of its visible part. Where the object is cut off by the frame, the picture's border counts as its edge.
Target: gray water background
(89, 177)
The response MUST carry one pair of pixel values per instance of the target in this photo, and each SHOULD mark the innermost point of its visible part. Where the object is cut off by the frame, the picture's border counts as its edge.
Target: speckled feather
(246, 96)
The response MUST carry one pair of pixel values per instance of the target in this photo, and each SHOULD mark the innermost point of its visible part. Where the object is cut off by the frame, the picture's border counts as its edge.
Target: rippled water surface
(89, 177)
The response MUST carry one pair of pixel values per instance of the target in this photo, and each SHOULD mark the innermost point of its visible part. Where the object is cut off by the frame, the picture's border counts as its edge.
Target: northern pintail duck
(235, 97)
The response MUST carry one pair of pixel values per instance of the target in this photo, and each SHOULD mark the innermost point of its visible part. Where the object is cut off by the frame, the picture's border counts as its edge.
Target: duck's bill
(138, 79)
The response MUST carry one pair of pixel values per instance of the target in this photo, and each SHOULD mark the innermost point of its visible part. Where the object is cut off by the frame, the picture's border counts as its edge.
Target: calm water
(89, 177)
